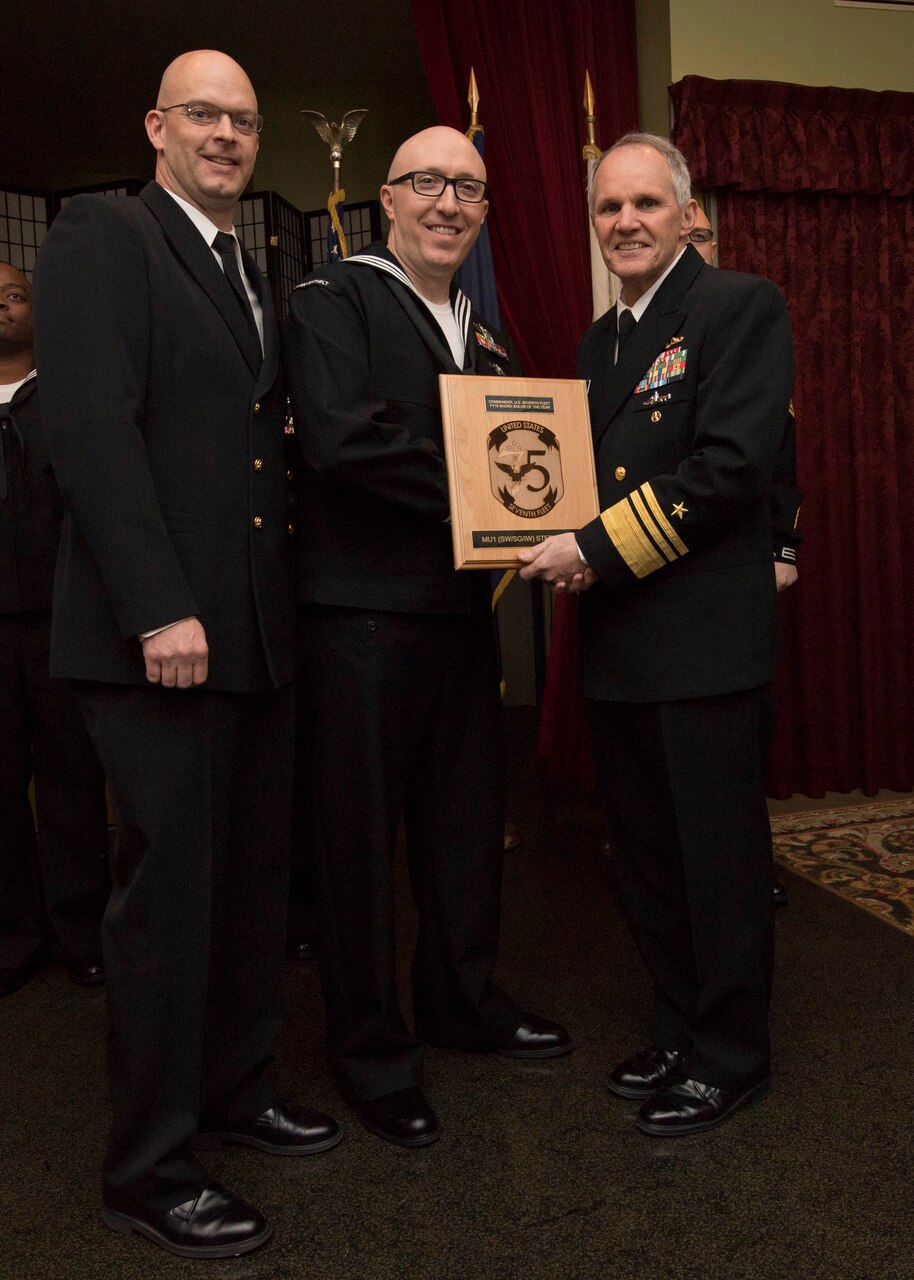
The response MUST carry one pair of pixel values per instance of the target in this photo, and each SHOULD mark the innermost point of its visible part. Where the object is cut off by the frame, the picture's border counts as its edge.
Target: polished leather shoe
(688, 1106)
(645, 1072)
(536, 1038)
(281, 1131)
(87, 973)
(300, 949)
(403, 1118)
(781, 897)
(214, 1225)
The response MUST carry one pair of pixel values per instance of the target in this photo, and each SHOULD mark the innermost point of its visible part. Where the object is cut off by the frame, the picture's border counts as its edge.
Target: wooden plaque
(520, 464)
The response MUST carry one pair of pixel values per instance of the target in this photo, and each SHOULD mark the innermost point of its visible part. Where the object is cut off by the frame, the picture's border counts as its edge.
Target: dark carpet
(540, 1173)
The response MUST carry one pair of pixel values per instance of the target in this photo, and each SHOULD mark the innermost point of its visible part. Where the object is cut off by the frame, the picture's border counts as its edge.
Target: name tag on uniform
(670, 366)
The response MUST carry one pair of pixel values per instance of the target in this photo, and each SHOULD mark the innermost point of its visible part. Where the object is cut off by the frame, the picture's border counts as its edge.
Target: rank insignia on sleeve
(670, 366)
(680, 510)
(487, 342)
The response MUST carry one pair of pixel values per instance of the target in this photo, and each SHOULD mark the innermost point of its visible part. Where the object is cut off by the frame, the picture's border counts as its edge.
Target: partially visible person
(52, 891)
(174, 620)
(398, 678)
(786, 499)
(689, 382)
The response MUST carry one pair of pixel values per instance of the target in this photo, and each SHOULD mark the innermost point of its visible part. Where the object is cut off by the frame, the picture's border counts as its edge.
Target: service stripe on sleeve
(641, 533)
(651, 526)
(662, 521)
(630, 540)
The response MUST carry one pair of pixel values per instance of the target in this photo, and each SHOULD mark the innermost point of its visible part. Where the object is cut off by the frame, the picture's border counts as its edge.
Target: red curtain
(530, 57)
(814, 190)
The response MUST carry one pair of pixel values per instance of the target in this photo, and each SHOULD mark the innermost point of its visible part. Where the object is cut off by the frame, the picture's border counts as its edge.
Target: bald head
(424, 151)
(207, 161)
(181, 78)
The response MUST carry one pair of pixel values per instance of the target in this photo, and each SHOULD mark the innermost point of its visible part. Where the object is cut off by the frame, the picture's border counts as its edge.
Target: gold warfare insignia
(525, 468)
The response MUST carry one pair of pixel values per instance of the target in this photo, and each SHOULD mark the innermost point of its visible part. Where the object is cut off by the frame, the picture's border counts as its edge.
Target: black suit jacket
(686, 603)
(165, 431)
(31, 508)
(363, 355)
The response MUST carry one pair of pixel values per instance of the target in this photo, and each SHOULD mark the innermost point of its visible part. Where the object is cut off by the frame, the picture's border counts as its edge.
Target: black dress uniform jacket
(686, 603)
(156, 462)
(373, 503)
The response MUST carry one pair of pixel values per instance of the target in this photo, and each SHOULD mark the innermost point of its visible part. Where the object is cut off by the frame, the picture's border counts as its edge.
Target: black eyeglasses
(467, 190)
(701, 235)
(205, 113)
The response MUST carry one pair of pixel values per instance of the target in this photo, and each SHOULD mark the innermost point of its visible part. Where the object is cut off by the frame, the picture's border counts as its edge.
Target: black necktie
(224, 244)
(627, 324)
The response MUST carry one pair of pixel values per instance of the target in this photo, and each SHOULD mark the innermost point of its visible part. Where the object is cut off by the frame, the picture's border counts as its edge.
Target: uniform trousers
(691, 844)
(54, 889)
(195, 928)
(401, 719)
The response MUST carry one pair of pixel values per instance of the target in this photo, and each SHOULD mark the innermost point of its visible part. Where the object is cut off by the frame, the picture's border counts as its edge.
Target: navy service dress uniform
(164, 420)
(677, 644)
(398, 685)
(54, 890)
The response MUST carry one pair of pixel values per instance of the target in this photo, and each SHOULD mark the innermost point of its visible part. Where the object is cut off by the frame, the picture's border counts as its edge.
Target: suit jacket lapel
(197, 257)
(660, 322)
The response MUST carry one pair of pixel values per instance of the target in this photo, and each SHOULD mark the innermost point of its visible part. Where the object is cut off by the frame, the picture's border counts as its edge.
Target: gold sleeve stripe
(651, 526)
(630, 540)
(662, 521)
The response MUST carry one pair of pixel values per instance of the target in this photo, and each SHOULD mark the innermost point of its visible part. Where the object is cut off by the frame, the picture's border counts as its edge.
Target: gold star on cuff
(679, 509)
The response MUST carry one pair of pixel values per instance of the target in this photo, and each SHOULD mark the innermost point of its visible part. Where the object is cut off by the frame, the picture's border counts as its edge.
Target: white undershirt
(444, 314)
(9, 389)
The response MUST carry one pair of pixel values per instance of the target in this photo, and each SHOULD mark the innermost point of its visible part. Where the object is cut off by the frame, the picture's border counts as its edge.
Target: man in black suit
(52, 891)
(690, 380)
(174, 621)
(398, 684)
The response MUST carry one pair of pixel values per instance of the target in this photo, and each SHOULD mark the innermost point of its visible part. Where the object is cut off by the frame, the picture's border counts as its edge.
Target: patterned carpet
(864, 852)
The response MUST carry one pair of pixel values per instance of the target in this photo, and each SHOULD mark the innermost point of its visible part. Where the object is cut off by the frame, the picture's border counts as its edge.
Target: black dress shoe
(645, 1072)
(87, 973)
(214, 1225)
(299, 949)
(688, 1106)
(536, 1038)
(281, 1131)
(781, 897)
(404, 1118)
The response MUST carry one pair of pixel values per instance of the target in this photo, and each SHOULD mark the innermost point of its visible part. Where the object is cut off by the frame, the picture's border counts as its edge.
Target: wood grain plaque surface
(520, 464)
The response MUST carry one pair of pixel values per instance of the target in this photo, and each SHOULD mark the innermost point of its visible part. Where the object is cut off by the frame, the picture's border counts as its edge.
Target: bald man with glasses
(174, 621)
(398, 682)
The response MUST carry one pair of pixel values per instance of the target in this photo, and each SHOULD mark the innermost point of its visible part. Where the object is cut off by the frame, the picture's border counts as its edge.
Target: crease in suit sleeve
(746, 365)
(344, 430)
(92, 349)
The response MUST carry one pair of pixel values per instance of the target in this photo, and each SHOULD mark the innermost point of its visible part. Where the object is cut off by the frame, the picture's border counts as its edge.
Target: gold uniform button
(290, 475)
(656, 416)
(258, 464)
(257, 407)
(258, 522)
(291, 528)
(620, 473)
